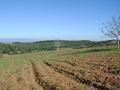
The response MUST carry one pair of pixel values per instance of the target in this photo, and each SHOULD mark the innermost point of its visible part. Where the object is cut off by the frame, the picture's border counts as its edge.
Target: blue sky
(55, 19)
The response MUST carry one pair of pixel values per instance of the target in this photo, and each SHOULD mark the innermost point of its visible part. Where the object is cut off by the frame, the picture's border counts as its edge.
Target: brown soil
(102, 73)
(52, 80)
(77, 73)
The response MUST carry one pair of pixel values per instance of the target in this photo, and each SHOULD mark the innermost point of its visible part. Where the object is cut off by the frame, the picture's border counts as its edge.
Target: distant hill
(25, 47)
(108, 42)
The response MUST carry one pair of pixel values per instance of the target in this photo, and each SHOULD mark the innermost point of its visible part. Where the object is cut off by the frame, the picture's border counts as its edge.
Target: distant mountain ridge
(17, 40)
(22, 40)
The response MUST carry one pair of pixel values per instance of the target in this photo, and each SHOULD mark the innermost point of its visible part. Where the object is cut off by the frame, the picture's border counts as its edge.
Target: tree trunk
(118, 44)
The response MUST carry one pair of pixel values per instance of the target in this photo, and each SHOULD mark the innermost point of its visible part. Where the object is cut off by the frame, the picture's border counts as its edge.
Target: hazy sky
(55, 19)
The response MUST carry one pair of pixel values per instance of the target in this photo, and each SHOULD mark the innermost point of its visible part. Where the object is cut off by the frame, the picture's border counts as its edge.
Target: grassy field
(95, 68)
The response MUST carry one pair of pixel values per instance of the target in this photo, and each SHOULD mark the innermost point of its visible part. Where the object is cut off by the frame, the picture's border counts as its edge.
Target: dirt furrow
(49, 79)
(39, 78)
(75, 77)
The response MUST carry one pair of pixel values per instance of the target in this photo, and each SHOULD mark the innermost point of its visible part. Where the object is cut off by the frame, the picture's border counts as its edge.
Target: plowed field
(63, 70)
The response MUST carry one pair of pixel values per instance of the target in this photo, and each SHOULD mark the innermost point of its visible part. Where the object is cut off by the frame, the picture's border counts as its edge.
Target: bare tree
(112, 29)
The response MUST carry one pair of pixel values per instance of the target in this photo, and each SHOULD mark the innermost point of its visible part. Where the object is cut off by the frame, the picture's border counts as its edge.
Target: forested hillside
(17, 47)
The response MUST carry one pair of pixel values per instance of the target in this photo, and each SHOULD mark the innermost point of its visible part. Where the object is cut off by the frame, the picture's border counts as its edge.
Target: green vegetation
(12, 61)
(21, 48)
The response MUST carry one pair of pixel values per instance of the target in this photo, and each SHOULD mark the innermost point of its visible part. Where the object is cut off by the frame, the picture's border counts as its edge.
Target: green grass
(13, 66)
(11, 63)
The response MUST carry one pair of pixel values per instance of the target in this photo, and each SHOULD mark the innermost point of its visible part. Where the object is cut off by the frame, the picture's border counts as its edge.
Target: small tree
(112, 29)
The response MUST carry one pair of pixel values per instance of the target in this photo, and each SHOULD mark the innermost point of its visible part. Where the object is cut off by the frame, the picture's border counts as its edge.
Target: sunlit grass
(13, 62)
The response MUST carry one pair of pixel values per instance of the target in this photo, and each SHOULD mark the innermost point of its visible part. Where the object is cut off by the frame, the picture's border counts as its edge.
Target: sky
(55, 19)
